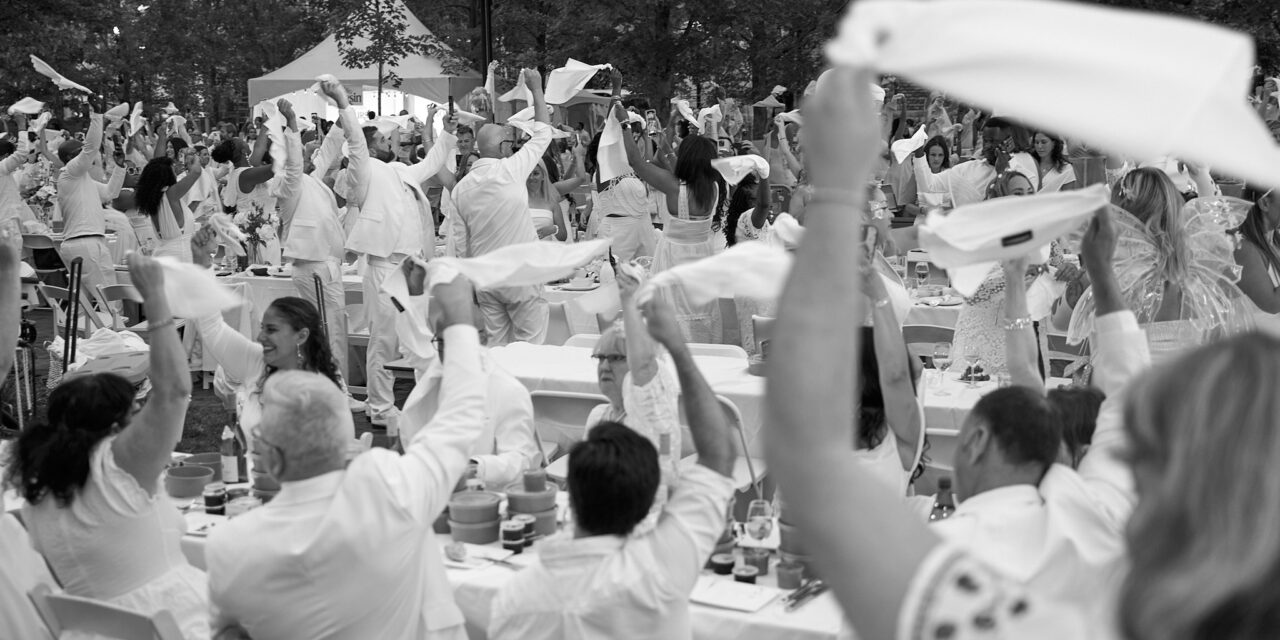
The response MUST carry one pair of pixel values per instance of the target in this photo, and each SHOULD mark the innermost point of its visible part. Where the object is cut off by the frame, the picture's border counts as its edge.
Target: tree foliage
(200, 54)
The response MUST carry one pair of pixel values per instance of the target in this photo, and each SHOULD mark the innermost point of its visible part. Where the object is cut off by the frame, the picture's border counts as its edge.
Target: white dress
(981, 325)
(1057, 178)
(174, 240)
(621, 212)
(117, 543)
(542, 219)
(685, 240)
(748, 307)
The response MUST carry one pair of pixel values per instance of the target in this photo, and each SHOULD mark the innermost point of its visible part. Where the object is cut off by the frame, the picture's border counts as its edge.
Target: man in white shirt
(12, 206)
(81, 197)
(389, 219)
(492, 203)
(967, 182)
(349, 552)
(313, 235)
(1062, 533)
(606, 581)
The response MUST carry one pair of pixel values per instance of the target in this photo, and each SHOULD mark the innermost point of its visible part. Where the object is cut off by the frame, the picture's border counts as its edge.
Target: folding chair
(920, 339)
(719, 350)
(584, 340)
(62, 612)
(559, 420)
(747, 471)
(33, 242)
(356, 339)
(119, 293)
(557, 325)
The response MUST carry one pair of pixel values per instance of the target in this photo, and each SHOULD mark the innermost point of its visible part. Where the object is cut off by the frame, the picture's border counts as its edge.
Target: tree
(376, 34)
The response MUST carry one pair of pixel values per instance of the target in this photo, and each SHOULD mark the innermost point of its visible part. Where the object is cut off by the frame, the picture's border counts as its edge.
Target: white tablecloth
(943, 415)
(550, 368)
(475, 589)
(261, 291)
(935, 316)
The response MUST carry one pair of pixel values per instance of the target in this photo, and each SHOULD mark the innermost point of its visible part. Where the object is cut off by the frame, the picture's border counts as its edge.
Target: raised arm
(658, 178)
(1021, 350)
(642, 357)
(357, 147)
(144, 447)
(760, 214)
(291, 184)
(436, 457)
(841, 509)
(109, 190)
(579, 172)
(437, 158)
(91, 150)
(162, 141)
(897, 378)
(330, 149)
(712, 436)
(184, 185)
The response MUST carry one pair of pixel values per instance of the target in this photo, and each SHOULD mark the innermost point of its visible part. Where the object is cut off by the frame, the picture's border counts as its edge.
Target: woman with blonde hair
(1175, 263)
(544, 205)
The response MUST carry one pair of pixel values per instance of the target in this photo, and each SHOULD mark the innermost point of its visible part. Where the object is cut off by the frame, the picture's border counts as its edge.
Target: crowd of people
(1134, 505)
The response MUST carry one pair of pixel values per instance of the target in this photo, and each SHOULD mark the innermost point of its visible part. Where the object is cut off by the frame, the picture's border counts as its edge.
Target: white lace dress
(981, 325)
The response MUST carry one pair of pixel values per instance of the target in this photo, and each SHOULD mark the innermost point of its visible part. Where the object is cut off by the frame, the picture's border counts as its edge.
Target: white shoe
(356, 406)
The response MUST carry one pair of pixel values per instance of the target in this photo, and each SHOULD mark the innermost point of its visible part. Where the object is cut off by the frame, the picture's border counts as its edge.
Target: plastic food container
(481, 533)
(474, 507)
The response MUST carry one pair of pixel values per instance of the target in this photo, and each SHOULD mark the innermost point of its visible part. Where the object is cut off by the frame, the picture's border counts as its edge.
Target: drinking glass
(759, 519)
(971, 356)
(922, 273)
(942, 361)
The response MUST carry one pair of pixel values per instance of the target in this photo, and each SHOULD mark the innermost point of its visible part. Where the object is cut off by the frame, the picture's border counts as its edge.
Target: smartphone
(450, 105)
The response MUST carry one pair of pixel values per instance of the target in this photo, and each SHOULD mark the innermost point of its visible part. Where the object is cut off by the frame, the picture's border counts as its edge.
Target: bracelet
(160, 325)
(1017, 324)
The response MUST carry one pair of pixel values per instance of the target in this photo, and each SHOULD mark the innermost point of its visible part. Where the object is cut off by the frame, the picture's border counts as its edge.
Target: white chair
(118, 293)
(921, 338)
(56, 295)
(584, 340)
(746, 469)
(719, 350)
(557, 325)
(560, 419)
(72, 613)
(357, 339)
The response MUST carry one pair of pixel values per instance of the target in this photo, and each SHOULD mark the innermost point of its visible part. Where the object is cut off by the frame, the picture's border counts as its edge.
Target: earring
(301, 359)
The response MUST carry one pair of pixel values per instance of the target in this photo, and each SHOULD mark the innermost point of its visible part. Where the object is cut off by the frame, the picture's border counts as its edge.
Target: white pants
(514, 314)
(97, 268)
(335, 302)
(384, 346)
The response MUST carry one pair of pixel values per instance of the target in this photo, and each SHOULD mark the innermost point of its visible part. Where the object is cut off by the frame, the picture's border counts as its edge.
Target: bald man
(493, 212)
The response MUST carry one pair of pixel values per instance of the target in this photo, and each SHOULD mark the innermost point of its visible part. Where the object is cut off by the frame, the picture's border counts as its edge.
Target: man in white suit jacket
(348, 551)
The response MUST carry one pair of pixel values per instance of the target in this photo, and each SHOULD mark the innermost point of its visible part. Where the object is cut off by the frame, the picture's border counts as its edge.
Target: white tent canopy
(419, 75)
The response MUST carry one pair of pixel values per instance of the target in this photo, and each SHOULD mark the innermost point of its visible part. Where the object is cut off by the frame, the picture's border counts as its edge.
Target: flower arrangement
(259, 226)
(44, 196)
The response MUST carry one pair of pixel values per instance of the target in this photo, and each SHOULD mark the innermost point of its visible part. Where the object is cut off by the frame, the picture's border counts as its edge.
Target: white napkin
(531, 127)
(29, 106)
(229, 235)
(466, 117)
(685, 110)
(709, 115)
(170, 108)
(792, 116)
(902, 149)
(194, 291)
(135, 118)
(47, 71)
(735, 168)
(565, 83)
(519, 92)
(275, 124)
(770, 102)
(117, 112)
(786, 232)
(612, 155)
(969, 240)
(411, 324)
(526, 264)
(39, 123)
(1128, 94)
(749, 269)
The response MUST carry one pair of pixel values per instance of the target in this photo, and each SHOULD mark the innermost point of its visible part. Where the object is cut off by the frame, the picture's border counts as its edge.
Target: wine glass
(942, 360)
(759, 519)
(922, 273)
(971, 356)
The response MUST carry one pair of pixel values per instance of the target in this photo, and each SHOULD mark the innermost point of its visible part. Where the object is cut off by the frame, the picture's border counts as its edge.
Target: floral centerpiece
(261, 227)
